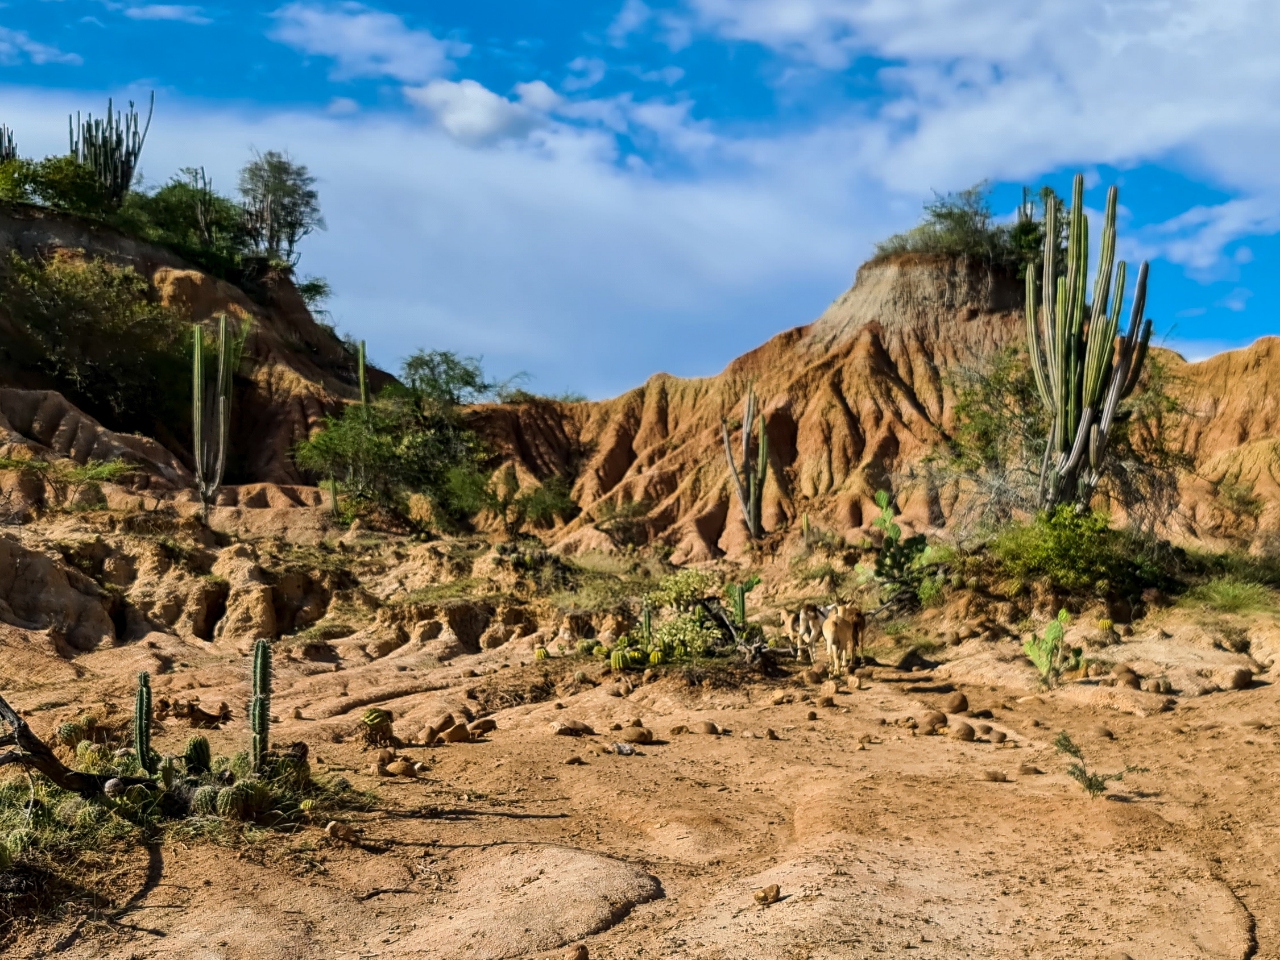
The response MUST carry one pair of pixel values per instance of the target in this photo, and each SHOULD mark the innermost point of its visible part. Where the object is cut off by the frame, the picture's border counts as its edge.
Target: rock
(812, 715)
(636, 735)
(1104, 732)
(1029, 770)
(576, 952)
(1241, 678)
(575, 761)
(428, 735)
(826, 701)
(770, 734)
(341, 831)
(982, 729)
(747, 735)
(783, 697)
(768, 895)
(624, 749)
(829, 689)
(443, 723)
(615, 690)
(932, 718)
(456, 734)
(114, 788)
(677, 730)
(706, 726)
(385, 756)
(955, 703)
(297, 711)
(1129, 680)
(483, 725)
(997, 736)
(961, 731)
(995, 776)
(813, 675)
(401, 768)
(615, 726)
(636, 722)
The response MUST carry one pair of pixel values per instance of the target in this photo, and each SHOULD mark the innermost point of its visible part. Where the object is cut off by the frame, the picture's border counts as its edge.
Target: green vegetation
(260, 706)
(1094, 784)
(110, 148)
(905, 572)
(1049, 654)
(211, 408)
(748, 481)
(73, 485)
(1080, 371)
(1231, 595)
(93, 329)
(142, 725)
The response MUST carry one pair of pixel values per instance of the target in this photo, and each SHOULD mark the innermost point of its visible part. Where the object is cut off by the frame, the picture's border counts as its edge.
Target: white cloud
(1236, 300)
(633, 15)
(473, 114)
(587, 72)
(16, 47)
(365, 42)
(166, 11)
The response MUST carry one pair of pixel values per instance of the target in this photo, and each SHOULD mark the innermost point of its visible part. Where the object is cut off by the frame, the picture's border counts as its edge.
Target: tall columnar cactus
(111, 147)
(142, 724)
(260, 705)
(1082, 371)
(8, 149)
(209, 448)
(748, 482)
(646, 623)
(364, 386)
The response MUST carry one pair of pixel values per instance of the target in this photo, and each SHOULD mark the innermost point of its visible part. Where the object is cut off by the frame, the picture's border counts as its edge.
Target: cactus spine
(1081, 371)
(260, 705)
(748, 483)
(111, 147)
(142, 723)
(8, 149)
(210, 453)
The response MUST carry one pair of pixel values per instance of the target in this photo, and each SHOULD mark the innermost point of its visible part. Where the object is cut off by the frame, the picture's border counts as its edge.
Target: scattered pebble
(706, 726)
(678, 729)
(997, 736)
(636, 735)
(297, 713)
(982, 729)
(812, 715)
(1029, 770)
(956, 703)
(576, 952)
(624, 749)
(961, 731)
(575, 761)
(768, 895)
(995, 776)
(769, 734)
(826, 701)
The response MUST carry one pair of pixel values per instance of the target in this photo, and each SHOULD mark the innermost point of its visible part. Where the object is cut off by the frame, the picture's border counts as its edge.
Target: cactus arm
(224, 402)
(733, 469)
(142, 723)
(364, 386)
(197, 404)
(1033, 341)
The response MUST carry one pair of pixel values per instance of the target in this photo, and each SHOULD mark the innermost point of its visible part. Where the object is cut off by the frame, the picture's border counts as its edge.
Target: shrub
(962, 225)
(681, 590)
(1229, 595)
(685, 634)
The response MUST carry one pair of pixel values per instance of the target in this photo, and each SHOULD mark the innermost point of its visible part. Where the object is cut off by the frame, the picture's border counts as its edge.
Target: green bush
(1230, 595)
(962, 225)
(682, 589)
(95, 331)
(1079, 553)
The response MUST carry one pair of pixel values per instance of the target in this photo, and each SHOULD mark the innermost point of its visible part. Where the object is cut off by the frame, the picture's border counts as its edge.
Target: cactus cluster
(260, 706)
(8, 148)
(196, 757)
(210, 449)
(748, 482)
(204, 803)
(142, 724)
(1082, 371)
(111, 147)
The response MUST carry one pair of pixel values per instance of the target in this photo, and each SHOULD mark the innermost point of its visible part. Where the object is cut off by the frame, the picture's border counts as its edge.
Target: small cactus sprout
(196, 756)
(586, 646)
(1105, 625)
(205, 802)
(142, 724)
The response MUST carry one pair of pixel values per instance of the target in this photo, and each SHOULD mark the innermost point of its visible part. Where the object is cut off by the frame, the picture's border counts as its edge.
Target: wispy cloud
(364, 42)
(167, 11)
(17, 47)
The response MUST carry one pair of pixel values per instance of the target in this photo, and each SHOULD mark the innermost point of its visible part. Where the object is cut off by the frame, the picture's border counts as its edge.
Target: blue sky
(593, 192)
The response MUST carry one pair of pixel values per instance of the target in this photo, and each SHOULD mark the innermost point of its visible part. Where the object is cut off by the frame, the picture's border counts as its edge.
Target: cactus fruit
(1081, 370)
(142, 724)
(260, 705)
(205, 801)
(749, 482)
(196, 756)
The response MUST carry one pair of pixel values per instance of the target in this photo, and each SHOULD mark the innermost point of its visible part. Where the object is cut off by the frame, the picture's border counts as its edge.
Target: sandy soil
(882, 842)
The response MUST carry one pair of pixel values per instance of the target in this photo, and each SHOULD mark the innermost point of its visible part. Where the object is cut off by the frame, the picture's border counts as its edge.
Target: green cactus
(737, 593)
(646, 623)
(540, 653)
(748, 483)
(71, 733)
(586, 646)
(377, 727)
(657, 657)
(230, 803)
(196, 757)
(805, 535)
(260, 705)
(204, 803)
(1049, 654)
(618, 660)
(111, 147)
(364, 385)
(8, 149)
(210, 451)
(635, 657)
(142, 724)
(1081, 371)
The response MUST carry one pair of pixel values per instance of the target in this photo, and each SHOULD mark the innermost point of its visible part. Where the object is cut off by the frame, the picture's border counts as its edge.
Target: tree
(281, 204)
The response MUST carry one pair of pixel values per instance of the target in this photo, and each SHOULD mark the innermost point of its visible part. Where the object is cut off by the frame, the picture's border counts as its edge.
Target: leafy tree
(60, 182)
(281, 204)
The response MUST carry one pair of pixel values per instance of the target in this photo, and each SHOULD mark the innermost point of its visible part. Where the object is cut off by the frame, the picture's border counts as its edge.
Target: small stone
(997, 736)
(783, 697)
(483, 725)
(636, 735)
(1029, 770)
(614, 690)
(961, 731)
(560, 706)
(386, 756)
(982, 729)
(956, 703)
(771, 734)
(768, 895)
(813, 675)
(826, 701)
(637, 722)
(401, 768)
(297, 713)
(575, 761)
(1129, 680)
(114, 788)
(706, 726)
(829, 689)
(457, 734)
(747, 735)
(624, 749)
(995, 776)
(340, 831)
(1104, 732)
(1240, 678)
(678, 729)
(812, 715)
(1035, 722)
(615, 726)
(933, 718)
(576, 952)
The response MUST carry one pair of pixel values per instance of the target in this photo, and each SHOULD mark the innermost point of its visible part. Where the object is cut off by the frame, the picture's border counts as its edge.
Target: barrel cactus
(71, 734)
(230, 803)
(205, 801)
(618, 660)
(635, 658)
(376, 724)
(196, 756)
(657, 657)
(585, 647)
(540, 653)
